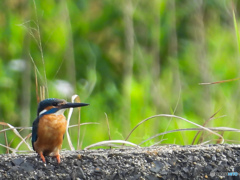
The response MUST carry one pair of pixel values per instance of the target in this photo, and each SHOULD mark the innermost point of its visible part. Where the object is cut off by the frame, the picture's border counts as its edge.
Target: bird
(49, 127)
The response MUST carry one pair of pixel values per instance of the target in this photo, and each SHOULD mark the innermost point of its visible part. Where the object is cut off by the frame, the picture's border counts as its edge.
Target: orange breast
(51, 129)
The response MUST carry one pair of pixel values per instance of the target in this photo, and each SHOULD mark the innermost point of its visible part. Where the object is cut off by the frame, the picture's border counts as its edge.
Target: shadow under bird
(49, 127)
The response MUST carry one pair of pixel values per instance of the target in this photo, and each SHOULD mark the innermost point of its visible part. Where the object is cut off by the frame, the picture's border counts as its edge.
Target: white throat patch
(59, 112)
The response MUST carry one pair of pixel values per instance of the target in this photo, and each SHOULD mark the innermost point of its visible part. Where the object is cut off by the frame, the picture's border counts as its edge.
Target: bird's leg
(42, 157)
(58, 158)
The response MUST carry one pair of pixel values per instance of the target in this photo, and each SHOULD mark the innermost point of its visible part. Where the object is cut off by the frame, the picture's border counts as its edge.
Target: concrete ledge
(162, 162)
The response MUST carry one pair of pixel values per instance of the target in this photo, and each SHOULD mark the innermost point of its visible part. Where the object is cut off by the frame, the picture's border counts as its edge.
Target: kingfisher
(49, 127)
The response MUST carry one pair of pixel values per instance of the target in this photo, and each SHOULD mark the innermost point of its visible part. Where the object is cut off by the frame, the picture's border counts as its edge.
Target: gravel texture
(163, 162)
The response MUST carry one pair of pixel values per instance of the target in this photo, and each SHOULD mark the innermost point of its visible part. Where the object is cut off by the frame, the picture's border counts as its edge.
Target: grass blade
(178, 117)
(17, 133)
(236, 30)
(109, 143)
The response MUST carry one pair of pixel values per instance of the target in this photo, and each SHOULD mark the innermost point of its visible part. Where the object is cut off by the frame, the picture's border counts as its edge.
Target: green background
(130, 59)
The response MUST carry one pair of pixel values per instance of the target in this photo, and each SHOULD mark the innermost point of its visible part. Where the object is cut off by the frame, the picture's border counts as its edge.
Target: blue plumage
(48, 131)
(42, 105)
(34, 131)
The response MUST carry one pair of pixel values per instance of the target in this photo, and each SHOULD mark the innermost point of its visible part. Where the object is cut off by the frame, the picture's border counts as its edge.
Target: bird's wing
(34, 131)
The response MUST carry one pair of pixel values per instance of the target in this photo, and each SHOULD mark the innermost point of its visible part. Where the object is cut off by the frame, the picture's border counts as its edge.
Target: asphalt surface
(162, 162)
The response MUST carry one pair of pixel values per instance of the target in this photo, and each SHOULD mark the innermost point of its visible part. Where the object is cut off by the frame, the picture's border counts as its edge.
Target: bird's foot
(42, 157)
(58, 158)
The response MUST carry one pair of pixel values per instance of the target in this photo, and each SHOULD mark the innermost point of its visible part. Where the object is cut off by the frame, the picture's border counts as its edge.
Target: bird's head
(56, 106)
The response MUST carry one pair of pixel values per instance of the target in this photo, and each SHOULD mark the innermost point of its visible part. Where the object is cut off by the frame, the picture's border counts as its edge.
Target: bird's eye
(55, 104)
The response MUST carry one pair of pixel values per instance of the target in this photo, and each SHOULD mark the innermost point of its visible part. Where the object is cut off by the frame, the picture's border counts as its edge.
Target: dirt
(162, 162)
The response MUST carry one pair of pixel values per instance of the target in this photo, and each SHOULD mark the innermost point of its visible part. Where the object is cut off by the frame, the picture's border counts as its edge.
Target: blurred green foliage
(128, 59)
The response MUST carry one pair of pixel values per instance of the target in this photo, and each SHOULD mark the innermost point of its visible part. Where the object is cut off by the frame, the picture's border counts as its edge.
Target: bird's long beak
(72, 105)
